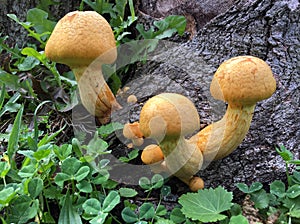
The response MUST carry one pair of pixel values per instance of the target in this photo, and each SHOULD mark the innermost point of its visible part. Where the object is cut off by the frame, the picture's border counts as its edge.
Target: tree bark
(267, 29)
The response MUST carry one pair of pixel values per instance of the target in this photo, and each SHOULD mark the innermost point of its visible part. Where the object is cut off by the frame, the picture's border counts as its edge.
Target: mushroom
(241, 82)
(132, 131)
(168, 118)
(84, 41)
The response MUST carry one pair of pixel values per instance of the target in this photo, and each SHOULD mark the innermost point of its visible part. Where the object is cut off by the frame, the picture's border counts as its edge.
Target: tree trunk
(267, 29)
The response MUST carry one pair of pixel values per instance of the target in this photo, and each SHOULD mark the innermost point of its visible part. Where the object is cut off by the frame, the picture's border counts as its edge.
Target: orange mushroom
(85, 41)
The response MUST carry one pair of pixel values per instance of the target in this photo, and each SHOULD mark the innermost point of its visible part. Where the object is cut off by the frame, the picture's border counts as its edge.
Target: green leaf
(41, 154)
(100, 218)
(145, 183)
(285, 154)
(39, 20)
(70, 166)
(157, 181)
(63, 151)
(111, 200)
(248, 190)
(24, 209)
(28, 64)
(293, 191)
(84, 186)
(277, 188)
(60, 178)
(6, 195)
(35, 187)
(68, 213)
(14, 136)
(82, 173)
(11, 105)
(27, 171)
(239, 219)
(147, 211)
(128, 215)
(260, 199)
(127, 192)
(91, 206)
(4, 169)
(101, 178)
(2, 95)
(177, 216)
(206, 205)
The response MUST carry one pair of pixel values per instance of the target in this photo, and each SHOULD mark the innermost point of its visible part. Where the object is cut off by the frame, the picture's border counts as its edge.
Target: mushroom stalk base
(219, 139)
(182, 159)
(95, 94)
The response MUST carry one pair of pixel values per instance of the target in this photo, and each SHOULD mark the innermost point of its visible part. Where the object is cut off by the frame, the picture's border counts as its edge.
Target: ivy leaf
(206, 205)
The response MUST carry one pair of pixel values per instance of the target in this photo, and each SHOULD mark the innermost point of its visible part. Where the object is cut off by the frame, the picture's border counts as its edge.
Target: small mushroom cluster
(84, 41)
(168, 118)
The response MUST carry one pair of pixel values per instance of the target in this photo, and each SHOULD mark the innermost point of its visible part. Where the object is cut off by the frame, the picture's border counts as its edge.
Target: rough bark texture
(263, 28)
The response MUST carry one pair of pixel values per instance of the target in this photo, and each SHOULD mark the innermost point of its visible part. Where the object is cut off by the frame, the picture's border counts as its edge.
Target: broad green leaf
(41, 154)
(277, 188)
(111, 200)
(100, 218)
(11, 105)
(293, 191)
(10, 81)
(157, 181)
(14, 136)
(260, 199)
(128, 215)
(146, 211)
(68, 213)
(6, 195)
(164, 221)
(82, 173)
(145, 183)
(206, 205)
(62, 152)
(60, 178)
(101, 178)
(39, 19)
(28, 64)
(92, 206)
(24, 209)
(27, 171)
(84, 186)
(70, 166)
(127, 192)
(35, 187)
(177, 216)
(29, 51)
(239, 219)
(4, 168)
(248, 190)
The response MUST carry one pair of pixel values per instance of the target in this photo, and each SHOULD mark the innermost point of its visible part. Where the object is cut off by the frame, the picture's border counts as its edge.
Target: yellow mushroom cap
(243, 80)
(79, 38)
(168, 115)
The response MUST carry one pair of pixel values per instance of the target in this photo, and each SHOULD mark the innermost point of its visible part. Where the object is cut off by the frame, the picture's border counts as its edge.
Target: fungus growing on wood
(168, 118)
(84, 41)
(241, 82)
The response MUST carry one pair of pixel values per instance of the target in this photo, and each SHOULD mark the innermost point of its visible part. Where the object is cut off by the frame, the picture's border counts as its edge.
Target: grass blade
(14, 135)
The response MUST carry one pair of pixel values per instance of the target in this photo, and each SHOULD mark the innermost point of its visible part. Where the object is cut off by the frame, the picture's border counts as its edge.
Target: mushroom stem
(95, 94)
(219, 139)
(183, 159)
